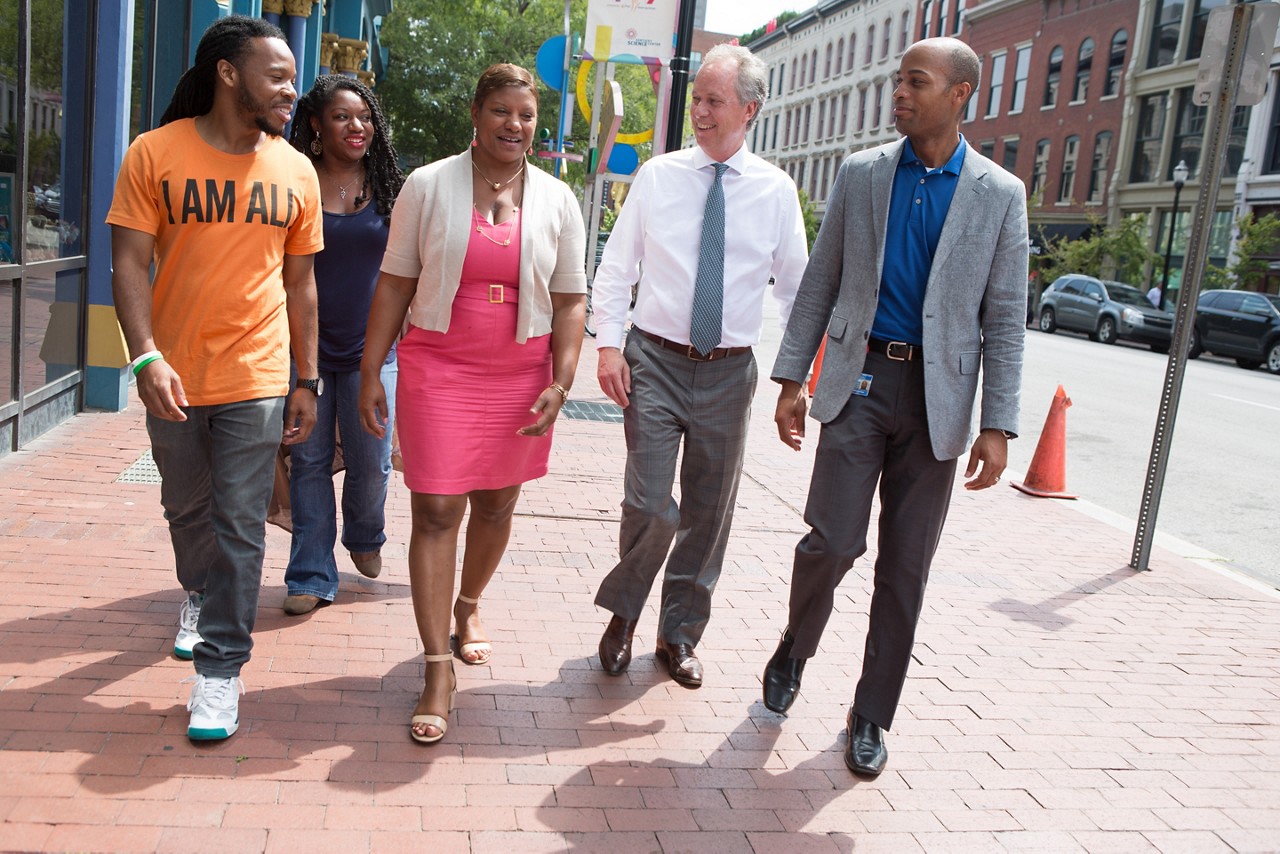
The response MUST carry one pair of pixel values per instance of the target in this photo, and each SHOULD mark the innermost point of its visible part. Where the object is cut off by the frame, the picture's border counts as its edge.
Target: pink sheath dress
(463, 394)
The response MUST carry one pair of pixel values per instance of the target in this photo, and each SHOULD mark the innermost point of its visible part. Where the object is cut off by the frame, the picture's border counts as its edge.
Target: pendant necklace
(511, 227)
(496, 186)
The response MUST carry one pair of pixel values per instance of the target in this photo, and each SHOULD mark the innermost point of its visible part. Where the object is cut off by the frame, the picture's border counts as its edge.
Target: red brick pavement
(1058, 701)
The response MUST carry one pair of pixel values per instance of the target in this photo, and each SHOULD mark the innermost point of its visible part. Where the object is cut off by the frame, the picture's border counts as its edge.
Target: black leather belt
(899, 351)
(688, 350)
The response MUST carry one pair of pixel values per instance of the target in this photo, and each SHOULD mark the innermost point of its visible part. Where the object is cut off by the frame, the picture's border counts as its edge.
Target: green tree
(1257, 242)
(1118, 251)
(810, 214)
(46, 43)
(438, 49)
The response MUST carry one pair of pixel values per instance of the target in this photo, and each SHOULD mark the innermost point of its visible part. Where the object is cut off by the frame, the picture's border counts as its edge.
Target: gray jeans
(217, 471)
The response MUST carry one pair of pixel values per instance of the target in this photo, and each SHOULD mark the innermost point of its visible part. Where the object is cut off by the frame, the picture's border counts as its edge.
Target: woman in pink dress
(486, 255)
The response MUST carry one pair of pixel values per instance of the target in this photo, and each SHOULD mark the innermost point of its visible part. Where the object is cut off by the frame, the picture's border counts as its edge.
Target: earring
(473, 137)
(316, 147)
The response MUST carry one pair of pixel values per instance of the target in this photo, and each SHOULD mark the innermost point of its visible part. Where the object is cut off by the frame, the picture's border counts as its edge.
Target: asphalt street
(1220, 486)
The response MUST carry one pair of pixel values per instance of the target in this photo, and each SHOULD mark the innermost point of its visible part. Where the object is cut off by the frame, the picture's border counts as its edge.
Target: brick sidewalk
(1058, 701)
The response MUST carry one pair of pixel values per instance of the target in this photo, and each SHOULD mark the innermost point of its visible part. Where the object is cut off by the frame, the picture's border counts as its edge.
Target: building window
(770, 81)
(957, 23)
(875, 116)
(1021, 68)
(1067, 186)
(773, 143)
(887, 38)
(905, 32)
(943, 6)
(844, 114)
(839, 55)
(786, 137)
(800, 174)
(1166, 23)
(813, 180)
(1271, 162)
(1040, 175)
(1146, 144)
(926, 9)
(1101, 160)
(1235, 141)
(1188, 133)
(862, 109)
(826, 64)
(813, 66)
(853, 46)
(793, 76)
(831, 119)
(995, 86)
(1198, 23)
(1115, 63)
(1054, 77)
(808, 115)
(987, 148)
(871, 45)
(971, 107)
(1009, 158)
(1084, 65)
(826, 170)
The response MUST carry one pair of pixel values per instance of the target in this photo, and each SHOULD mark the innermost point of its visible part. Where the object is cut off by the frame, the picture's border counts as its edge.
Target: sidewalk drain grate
(609, 413)
(143, 471)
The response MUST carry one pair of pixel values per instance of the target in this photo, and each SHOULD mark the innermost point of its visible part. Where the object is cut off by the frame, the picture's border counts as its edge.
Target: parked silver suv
(1107, 311)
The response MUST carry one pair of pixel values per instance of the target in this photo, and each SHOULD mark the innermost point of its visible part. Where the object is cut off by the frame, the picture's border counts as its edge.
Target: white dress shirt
(655, 241)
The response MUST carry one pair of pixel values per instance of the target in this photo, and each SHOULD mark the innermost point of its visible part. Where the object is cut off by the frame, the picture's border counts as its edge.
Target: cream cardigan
(431, 226)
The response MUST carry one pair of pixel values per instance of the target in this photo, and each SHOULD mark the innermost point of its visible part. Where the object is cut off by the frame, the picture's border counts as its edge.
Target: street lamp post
(1180, 175)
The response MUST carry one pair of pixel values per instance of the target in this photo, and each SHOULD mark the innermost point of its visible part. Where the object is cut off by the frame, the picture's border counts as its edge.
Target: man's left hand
(299, 416)
(991, 449)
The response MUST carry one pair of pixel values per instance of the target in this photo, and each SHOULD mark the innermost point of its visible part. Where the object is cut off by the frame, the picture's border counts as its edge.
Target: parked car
(1241, 324)
(1107, 311)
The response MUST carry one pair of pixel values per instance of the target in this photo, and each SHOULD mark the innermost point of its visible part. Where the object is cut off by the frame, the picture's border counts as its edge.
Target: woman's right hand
(373, 406)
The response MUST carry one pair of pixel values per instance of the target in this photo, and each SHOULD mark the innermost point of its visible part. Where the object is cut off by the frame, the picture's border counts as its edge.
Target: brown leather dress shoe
(615, 645)
(682, 663)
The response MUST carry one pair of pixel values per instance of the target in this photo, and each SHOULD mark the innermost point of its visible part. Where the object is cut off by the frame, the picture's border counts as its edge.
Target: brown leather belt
(899, 351)
(688, 350)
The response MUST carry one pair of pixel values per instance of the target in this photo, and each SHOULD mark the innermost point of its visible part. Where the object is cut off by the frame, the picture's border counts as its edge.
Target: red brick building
(1050, 104)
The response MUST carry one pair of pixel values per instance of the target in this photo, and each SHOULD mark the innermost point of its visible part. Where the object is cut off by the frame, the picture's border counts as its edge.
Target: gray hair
(753, 74)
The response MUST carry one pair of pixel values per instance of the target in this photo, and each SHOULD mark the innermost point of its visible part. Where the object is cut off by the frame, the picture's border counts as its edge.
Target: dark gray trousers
(704, 407)
(882, 439)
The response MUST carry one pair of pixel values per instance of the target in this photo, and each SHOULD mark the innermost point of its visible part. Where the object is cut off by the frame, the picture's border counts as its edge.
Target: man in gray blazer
(918, 282)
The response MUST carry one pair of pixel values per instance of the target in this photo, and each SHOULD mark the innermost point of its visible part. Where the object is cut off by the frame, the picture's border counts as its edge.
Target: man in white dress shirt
(686, 375)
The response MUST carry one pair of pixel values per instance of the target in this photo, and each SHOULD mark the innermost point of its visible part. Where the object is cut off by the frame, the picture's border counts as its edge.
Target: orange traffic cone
(817, 367)
(1047, 475)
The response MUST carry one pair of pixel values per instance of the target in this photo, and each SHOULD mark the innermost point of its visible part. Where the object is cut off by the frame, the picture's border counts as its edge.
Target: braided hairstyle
(227, 38)
(382, 170)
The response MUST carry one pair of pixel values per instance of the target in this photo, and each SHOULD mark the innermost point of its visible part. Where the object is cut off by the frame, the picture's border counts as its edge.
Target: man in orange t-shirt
(230, 213)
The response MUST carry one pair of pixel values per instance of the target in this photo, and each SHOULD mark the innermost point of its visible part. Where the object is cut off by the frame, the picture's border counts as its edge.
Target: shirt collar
(736, 163)
(953, 165)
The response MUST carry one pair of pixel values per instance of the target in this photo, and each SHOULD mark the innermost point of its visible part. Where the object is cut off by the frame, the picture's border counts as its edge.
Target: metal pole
(1168, 244)
(1221, 107)
(680, 74)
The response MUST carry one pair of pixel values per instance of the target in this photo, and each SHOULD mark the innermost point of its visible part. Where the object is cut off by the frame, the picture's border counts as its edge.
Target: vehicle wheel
(1248, 364)
(1048, 323)
(1107, 330)
(1194, 349)
(1273, 358)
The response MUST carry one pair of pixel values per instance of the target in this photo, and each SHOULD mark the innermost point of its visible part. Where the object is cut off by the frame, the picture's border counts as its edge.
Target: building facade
(830, 87)
(1258, 183)
(1051, 103)
(78, 80)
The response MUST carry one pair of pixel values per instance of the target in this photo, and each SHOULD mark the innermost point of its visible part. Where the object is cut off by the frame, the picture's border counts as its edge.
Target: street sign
(1218, 45)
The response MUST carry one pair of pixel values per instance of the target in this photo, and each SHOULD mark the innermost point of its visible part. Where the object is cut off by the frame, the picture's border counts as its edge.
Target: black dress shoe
(782, 676)
(865, 754)
(615, 645)
(682, 663)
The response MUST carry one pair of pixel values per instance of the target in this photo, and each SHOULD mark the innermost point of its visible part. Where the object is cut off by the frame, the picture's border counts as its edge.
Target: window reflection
(6, 342)
(51, 326)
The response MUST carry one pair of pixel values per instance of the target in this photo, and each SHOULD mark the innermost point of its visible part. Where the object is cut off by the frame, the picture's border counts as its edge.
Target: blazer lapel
(965, 205)
(882, 170)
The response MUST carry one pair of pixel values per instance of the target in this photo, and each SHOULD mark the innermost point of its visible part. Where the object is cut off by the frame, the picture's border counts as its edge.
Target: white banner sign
(637, 31)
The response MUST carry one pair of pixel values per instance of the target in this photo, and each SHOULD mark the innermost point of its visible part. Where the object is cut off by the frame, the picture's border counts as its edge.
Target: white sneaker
(188, 623)
(214, 707)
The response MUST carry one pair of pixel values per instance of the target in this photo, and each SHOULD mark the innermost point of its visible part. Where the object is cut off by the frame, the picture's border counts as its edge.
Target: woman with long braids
(488, 252)
(340, 126)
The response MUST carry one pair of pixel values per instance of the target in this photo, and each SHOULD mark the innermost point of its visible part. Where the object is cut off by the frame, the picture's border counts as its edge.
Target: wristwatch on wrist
(1009, 435)
(315, 386)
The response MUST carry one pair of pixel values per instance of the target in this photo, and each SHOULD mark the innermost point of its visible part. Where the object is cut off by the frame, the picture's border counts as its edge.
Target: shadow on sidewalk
(1046, 614)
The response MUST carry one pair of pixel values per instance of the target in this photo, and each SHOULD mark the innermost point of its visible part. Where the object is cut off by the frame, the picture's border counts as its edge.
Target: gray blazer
(974, 305)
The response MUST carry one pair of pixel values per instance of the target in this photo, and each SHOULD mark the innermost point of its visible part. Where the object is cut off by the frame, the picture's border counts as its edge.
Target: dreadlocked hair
(381, 166)
(227, 38)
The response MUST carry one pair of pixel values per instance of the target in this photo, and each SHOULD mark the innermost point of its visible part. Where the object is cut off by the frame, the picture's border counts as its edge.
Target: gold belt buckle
(497, 294)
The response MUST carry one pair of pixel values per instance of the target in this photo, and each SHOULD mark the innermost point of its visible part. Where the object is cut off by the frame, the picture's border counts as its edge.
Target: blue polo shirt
(917, 209)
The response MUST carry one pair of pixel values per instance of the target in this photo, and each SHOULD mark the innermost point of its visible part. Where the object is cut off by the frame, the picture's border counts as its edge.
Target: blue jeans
(312, 569)
(217, 469)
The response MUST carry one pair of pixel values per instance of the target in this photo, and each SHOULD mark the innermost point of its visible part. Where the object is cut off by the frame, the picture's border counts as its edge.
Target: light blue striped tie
(708, 284)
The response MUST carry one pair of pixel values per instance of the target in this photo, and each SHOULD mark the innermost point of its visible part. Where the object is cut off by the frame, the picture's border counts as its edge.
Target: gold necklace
(496, 186)
(511, 228)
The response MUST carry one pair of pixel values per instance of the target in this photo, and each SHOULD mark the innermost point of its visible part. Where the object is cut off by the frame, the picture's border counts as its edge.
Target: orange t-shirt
(223, 224)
